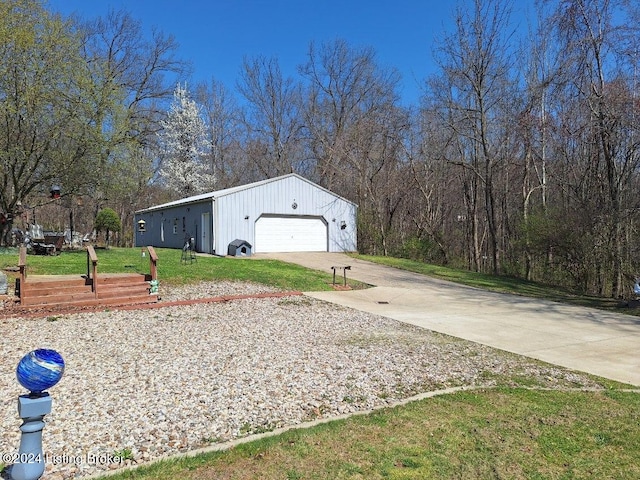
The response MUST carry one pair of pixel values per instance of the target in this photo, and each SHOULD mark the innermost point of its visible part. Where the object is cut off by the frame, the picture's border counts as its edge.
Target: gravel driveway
(148, 383)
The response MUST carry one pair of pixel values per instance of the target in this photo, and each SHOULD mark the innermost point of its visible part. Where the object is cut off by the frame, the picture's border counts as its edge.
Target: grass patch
(499, 433)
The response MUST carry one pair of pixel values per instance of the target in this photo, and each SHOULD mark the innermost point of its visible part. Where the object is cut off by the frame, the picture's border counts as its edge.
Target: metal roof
(228, 191)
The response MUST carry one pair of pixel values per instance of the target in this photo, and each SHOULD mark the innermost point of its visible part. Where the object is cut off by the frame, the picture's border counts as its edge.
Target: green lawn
(496, 433)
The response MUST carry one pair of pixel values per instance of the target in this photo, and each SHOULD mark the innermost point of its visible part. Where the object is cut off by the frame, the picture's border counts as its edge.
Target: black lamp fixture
(55, 192)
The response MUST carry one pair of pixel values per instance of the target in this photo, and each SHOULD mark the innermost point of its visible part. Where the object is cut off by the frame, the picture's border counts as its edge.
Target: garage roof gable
(228, 191)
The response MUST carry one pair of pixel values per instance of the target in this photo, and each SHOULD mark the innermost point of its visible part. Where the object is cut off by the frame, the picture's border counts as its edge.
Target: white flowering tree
(184, 143)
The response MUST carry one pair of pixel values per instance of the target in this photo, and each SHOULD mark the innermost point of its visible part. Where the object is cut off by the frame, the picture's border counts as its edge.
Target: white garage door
(290, 234)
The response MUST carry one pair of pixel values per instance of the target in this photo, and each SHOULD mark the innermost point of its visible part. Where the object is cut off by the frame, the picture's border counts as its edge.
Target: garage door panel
(290, 234)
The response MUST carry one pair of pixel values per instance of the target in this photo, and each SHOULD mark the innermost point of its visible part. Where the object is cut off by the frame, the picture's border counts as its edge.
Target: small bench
(344, 273)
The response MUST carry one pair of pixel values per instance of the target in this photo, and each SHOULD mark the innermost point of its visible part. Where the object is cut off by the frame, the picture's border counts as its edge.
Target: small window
(175, 229)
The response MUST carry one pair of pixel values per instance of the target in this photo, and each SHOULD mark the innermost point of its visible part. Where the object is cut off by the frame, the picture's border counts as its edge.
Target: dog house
(239, 248)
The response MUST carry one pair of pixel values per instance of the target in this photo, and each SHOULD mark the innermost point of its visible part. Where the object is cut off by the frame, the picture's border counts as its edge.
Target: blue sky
(215, 35)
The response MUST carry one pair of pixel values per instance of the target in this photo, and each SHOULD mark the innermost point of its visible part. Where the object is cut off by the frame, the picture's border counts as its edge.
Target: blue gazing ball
(40, 369)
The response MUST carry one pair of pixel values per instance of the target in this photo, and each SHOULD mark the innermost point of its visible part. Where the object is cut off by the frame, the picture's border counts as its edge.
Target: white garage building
(283, 214)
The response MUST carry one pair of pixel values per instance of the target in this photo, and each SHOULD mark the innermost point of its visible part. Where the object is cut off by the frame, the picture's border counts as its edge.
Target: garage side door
(290, 234)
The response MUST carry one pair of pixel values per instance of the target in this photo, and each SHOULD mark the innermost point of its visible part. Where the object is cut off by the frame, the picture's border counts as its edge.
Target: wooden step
(121, 279)
(117, 301)
(57, 299)
(112, 289)
(53, 291)
(123, 291)
(74, 282)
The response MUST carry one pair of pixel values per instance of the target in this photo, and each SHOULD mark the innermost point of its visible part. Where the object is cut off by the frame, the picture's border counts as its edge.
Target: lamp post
(38, 371)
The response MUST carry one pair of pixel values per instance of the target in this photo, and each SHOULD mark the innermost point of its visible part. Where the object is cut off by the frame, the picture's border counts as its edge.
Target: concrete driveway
(584, 339)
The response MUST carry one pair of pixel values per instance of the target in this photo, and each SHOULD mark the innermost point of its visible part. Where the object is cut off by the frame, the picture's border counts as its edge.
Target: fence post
(92, 269)
(153, 262)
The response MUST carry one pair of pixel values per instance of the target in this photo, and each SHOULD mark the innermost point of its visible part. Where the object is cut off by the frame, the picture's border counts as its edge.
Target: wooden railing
(153, 262)
(22, 265)
(92, 269)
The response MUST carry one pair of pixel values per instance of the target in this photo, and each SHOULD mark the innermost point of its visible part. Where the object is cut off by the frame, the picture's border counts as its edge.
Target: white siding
(237, 211)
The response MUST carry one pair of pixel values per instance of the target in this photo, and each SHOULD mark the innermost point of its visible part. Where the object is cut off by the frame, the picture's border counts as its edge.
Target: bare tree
(543, 75)
(355, 132)
(124, 65)
(435, 208)
(272, 119)
(345, 89)
(375, 169)
(476, 95)
(222, 117)
(600, 46)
